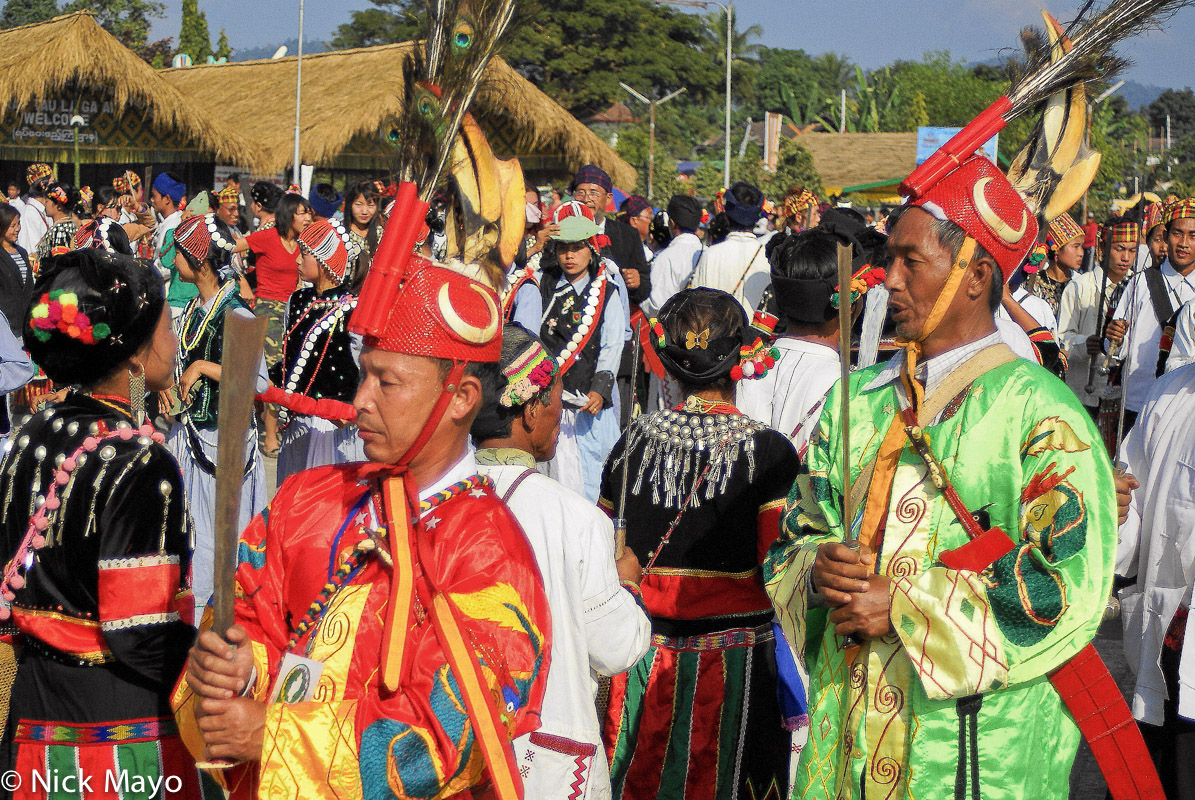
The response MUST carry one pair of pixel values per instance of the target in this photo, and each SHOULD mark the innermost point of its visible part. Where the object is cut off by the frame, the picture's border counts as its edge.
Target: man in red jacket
(392, 630)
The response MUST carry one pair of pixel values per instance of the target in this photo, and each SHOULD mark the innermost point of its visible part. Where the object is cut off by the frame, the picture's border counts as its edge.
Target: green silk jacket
(954, 702)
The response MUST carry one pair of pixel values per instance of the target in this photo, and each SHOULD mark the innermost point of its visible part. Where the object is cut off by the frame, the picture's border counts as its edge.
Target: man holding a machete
(392, 631)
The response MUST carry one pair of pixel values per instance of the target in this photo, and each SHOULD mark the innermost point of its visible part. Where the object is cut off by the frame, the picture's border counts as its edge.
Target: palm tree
(834, 72)
(744, 53)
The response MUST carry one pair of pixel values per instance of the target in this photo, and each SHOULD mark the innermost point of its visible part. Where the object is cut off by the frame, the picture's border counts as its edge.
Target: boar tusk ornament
(470, 333)
(988, 214)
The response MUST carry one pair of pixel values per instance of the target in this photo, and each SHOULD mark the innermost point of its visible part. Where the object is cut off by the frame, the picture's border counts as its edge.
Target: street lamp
(729, 9)
(651, 151)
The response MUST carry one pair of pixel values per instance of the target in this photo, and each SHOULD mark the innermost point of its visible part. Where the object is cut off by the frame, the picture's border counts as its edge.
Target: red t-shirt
(1090, 234)
(277, 268)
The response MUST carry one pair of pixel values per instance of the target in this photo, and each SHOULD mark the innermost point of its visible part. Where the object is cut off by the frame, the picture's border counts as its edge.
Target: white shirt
(1182, 352)
(34, 224)
(1078, 313)
(790, 396)
(1035, 307)
(597, 629)
(670, 271)
(1145, 334)
(1015, 337)
(170, 223)
(738, 266)
(1157, 541)
(17, 203)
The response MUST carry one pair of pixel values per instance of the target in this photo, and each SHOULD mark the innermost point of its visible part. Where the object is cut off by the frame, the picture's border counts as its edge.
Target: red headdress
(977, 197)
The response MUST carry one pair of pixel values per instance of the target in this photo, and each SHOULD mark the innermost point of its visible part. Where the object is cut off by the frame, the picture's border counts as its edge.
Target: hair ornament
(755, 360)
(867, 277)
(59, 310)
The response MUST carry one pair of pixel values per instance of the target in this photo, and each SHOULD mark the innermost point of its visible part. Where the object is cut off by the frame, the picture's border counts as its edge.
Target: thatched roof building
(350, 98)
(69, 65)
(862, 163)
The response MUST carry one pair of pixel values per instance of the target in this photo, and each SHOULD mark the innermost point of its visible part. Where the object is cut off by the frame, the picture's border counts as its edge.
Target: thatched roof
(39, 60)
(855, 160)
(350, 95)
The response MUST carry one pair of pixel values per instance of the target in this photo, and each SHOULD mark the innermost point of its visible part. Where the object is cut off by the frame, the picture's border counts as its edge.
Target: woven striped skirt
(698, 719)
(110, 761)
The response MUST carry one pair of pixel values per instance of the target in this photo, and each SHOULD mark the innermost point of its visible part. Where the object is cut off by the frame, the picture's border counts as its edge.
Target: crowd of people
(611, 528)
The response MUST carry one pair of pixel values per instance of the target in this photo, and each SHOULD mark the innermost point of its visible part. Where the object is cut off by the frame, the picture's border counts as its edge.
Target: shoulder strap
(963, 376)
(1158, 295)
(524, 475)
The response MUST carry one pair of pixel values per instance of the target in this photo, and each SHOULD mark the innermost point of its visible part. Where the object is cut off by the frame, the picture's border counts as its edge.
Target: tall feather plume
(1091, 58)
(443, 79)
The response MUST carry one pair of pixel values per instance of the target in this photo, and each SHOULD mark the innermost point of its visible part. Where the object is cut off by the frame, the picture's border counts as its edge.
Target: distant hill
(1138, 95)
(292, 47)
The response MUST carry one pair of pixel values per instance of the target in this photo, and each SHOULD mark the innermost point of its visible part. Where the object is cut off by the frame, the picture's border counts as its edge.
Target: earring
(137, 395)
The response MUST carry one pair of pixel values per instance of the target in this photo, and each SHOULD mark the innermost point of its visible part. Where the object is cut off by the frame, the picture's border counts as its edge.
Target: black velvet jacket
(104, 616)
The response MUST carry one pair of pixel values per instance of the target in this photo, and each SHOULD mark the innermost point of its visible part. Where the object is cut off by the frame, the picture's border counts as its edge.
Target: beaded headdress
(528, 376)
(321, 241)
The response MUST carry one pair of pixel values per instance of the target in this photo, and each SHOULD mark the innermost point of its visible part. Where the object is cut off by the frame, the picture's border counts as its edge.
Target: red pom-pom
(736, 373)
(769, 362)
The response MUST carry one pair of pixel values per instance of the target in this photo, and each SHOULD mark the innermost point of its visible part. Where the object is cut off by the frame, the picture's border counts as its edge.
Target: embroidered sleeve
(144, 579)
(1039, 604)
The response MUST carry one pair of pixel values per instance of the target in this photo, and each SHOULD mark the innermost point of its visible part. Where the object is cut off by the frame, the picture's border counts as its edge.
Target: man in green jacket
(943, 690)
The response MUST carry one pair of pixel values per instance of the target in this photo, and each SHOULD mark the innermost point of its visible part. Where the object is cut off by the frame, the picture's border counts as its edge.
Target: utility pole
(842, 119)
(729, 9)
(298, 93)
(651, 146)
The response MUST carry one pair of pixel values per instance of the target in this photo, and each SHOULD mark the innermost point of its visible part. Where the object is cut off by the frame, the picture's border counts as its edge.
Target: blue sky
(870, 33)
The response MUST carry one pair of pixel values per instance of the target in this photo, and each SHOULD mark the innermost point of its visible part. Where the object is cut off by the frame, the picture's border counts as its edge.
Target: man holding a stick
(392, 631)
(952, 624)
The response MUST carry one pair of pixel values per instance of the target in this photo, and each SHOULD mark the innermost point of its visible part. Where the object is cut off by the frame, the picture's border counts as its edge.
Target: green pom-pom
(42, 336)
(54, 295)
(101, 331)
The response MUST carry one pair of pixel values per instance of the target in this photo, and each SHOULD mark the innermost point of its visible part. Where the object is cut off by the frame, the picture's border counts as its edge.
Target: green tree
(27, 12)
(794, 167)
(223, 50)
(952, 93)
(577, 51)
(833, 72)
(127, 20)
(1179, 106)
(786, 83)
(193, 36)
(387, 22)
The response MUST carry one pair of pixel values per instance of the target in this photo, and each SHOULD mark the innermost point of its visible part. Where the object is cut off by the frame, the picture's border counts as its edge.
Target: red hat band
(977, 197)
(440, 313)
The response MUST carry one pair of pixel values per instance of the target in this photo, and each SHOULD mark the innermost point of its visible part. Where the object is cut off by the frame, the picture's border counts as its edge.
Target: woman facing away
(95, 525)
(59, 199)
(698, 716)
(203, 248)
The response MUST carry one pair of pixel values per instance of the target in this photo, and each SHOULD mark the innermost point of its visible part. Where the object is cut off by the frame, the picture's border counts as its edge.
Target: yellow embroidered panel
(310, 751)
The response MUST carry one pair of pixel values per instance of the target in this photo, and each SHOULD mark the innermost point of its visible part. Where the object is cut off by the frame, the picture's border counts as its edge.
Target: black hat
(685, 211)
